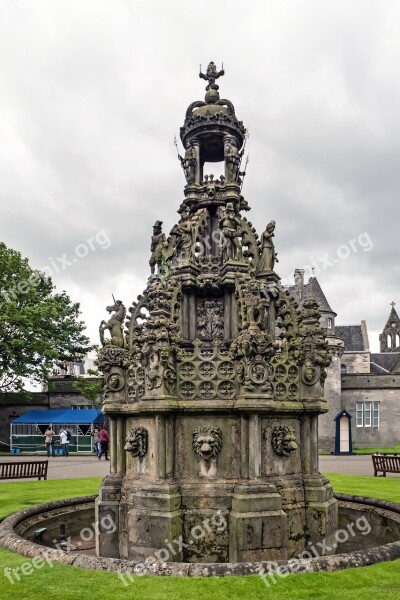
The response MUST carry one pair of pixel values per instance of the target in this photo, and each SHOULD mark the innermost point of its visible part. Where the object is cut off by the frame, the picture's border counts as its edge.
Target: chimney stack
(299, 280)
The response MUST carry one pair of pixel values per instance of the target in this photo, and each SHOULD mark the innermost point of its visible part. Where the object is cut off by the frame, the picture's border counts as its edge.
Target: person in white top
(64, 440)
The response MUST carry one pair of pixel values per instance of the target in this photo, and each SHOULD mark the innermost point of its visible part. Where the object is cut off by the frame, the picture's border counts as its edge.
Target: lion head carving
(207, 441)
(137, 442)
(284, 440)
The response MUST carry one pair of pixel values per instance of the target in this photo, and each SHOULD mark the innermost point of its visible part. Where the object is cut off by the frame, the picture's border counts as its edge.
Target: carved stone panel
(210, 320)
(206, 374)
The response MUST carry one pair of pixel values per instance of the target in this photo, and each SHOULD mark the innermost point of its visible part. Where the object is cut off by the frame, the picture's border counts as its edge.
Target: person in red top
(104, 441)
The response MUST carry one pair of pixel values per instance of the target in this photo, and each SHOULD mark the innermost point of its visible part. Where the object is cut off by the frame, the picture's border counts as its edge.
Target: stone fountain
(214, 386)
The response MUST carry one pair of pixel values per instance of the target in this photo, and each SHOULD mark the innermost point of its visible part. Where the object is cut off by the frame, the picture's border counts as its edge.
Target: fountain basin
(65, 532)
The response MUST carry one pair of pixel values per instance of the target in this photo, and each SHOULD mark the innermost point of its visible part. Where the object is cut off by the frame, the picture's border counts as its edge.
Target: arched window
(389, 341)
(343, 369)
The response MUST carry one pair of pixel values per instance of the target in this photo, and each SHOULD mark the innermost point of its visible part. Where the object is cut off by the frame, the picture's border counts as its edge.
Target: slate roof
(312, 289)
(384, 362)
(353, 337)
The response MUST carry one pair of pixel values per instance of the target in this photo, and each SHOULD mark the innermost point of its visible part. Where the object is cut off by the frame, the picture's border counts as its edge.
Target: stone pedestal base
(321, 513)
(108, 517)
(258, 525)
(206, 521)
(154, 524)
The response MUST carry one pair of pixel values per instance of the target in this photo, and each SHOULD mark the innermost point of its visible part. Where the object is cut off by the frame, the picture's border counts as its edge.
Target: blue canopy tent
(27, 431)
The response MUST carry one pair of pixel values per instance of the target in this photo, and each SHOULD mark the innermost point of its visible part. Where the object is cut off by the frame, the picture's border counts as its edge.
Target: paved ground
(61, 467)
(352, 465)
(82, 466)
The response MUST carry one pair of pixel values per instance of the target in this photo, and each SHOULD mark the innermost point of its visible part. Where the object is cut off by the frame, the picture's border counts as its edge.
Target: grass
(381, 582)
(394, 450)
(18, 495)
(385, 488)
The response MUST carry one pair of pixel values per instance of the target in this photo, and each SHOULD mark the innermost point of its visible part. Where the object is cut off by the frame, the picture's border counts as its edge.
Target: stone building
(365, 384)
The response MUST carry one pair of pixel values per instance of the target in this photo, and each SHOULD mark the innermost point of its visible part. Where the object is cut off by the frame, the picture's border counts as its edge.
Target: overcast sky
(92, 93)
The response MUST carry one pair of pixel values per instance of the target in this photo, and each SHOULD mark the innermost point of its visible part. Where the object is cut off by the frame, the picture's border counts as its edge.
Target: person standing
(49, 441)
(104, 441)
(96, 443)
(64, 442)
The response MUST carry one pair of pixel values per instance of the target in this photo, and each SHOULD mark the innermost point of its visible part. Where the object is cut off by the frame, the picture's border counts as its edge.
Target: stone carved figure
(211, 75)
(259, 372)
(231, 228)
(183, 233)
(210, 322)
(256, 304)
(153, 378)
(310, 375)
(188, 163)
(232, 159)
(137, 442)
(284, 440)
(314, 346)
(115, 382)
(114, 325)
(207, 441)
(157, 244)
(268, 256)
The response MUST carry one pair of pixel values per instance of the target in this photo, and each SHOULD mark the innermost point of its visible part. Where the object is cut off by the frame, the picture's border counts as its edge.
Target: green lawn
(386, 488)
(380, 582)
(394, 450)
(18, 495)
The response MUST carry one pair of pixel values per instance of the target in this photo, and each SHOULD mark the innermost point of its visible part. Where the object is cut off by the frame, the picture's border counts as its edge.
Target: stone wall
(332, 392)
(382, 388)
(14, 402)
(357, 362)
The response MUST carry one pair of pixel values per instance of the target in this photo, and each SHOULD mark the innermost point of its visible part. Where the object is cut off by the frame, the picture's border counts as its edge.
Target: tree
(37, 325)
(91, 387)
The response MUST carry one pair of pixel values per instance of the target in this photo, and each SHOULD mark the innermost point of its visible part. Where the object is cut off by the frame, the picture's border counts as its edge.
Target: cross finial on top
(392, 304)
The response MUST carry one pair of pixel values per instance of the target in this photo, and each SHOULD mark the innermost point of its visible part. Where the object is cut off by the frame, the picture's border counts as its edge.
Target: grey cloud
(92, 94)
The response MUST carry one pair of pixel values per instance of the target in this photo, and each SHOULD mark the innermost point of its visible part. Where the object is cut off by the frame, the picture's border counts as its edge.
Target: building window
(375, 415)
(330, 323)
(359, 414)
(367, 414)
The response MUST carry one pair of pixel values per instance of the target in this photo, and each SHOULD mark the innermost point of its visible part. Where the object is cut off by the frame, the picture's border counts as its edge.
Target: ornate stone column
(198, 172)
(113, 444)
(121, 454)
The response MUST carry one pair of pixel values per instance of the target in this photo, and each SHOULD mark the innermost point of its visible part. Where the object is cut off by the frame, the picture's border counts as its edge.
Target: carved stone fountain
(213, 390)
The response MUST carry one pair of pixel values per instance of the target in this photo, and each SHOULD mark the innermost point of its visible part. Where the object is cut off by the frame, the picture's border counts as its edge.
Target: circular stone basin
(64, 532)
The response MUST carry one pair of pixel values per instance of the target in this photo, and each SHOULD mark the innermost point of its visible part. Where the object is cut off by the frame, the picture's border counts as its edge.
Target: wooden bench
(24, 470)
(387, 463)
